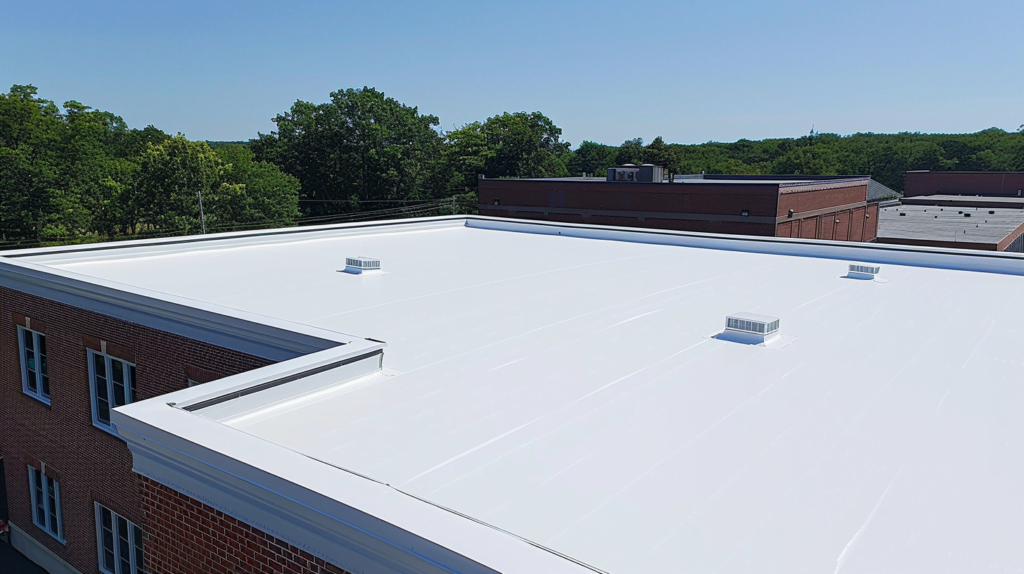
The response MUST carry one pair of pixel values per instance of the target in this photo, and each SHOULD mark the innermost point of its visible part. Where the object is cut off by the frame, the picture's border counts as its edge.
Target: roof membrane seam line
(824, 454)
(499, 529)
(457, 513)
(486, 284)
(841, 560)
(665, 458)
(548, 325)
(733, 477)
(574, 419)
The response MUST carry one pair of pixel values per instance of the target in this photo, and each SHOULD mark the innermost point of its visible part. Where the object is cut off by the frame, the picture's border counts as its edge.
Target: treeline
(71, 173)
(886, 157)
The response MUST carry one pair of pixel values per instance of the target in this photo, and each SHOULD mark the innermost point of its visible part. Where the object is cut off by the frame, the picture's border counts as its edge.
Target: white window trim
(23, 361)
(109, 359)
(132, 528)
(59, 536)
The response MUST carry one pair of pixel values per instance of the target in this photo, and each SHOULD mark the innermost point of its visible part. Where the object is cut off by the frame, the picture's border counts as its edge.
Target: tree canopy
(72, 173)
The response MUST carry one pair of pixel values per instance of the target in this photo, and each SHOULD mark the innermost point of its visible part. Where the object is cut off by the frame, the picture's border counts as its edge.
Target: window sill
(111, 430)
(36, 397)
(50, 534)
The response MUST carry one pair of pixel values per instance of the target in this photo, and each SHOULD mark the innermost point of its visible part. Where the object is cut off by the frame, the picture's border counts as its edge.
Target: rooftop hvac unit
(360, 265)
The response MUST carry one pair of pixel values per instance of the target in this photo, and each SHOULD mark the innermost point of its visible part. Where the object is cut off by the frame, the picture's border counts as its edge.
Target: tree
(172, 176)
(592, 158)
(523, 145)
(360, 146)
(254, 193)
(631, 151)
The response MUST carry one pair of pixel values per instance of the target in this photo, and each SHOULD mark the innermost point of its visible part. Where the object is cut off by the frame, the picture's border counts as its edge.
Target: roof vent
(751, 328)
(359, 265)
(864, 271)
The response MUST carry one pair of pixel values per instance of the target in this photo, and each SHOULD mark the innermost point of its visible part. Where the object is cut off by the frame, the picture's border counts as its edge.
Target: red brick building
(838, 209)
(74, 503)
(984, 183)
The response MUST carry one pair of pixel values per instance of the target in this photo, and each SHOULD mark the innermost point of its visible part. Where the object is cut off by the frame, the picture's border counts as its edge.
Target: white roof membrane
(569, 391)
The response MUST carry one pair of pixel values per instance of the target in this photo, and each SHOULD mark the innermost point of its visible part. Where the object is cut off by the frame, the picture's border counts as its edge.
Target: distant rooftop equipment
(751, 328)
(646, 173)
(359, 265)
(863, 271)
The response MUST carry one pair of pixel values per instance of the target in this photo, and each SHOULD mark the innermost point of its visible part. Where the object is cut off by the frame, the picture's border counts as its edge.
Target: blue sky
(604, 71)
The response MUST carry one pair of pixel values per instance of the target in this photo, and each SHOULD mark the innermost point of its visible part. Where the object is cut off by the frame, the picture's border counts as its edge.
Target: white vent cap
(752, 323)
(864, 270)
(361, 264)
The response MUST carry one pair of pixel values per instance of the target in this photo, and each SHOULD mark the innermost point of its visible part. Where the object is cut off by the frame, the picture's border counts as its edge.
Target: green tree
(592, 158)
(631, 151)
(171, 178)
(360, 146)
(254, 193)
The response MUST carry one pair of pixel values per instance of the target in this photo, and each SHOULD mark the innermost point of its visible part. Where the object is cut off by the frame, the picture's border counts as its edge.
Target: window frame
(41, 371)
(128, 382)
(135, 537)
(50, 514)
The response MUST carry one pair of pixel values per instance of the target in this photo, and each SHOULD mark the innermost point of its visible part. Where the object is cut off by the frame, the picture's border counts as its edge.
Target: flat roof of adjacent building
(948, 223)
(560, 386)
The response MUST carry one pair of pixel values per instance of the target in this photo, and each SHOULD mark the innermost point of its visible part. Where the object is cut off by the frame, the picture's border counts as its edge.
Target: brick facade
(750, 207)
(93, 465)
(186, 535)
(989, 184)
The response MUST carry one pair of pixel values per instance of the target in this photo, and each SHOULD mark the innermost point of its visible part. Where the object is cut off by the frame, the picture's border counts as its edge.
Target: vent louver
(750, 328)
(753, 324)
(863, 271)
(358, 265)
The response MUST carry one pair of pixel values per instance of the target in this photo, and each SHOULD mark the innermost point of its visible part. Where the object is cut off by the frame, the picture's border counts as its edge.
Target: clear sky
(690, 71)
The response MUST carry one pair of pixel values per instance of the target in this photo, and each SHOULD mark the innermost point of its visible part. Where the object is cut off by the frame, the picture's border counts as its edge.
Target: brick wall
(186, 535)
(999, 184)
(709, 208)
(92, 464)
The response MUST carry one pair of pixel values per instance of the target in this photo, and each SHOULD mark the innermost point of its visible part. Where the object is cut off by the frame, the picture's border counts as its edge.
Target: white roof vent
(753, 324)
(359, 265)
(863, 271)
(750, 328)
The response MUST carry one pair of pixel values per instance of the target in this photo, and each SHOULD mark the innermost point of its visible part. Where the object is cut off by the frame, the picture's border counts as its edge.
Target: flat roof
(942, 223)
(560, 385)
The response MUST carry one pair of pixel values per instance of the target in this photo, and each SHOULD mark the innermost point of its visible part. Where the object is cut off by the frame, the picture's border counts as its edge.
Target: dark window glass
(51, 494)
(37, 484)
(123, 549)
(43, 369)
(131, 383)
(137, 536)
(30, 360)
(100, 387)
(107, 538)
(117, 378)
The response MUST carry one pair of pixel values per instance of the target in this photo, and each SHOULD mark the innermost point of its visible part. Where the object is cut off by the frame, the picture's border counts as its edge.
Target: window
(45, 502)
(35, 378)
(113, 385)
(119, 543)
